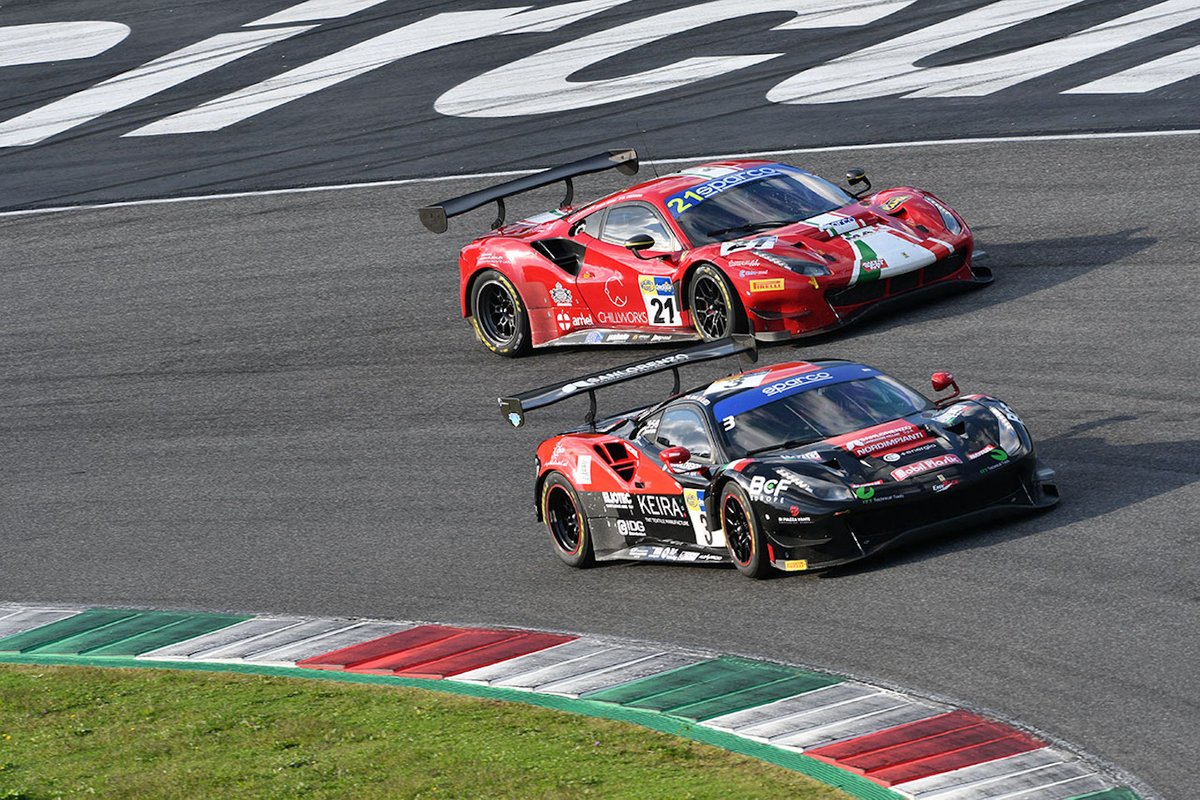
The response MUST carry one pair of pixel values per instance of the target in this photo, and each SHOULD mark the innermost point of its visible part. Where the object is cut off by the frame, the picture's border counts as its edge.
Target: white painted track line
(665, 161)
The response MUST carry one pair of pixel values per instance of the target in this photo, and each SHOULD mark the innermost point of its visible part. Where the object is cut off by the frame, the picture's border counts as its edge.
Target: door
(622, 290)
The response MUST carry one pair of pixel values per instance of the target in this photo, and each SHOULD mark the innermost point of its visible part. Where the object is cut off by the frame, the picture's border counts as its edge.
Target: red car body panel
(878, 248)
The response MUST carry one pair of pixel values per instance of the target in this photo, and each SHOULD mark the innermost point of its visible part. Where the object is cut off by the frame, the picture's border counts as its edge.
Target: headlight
(948, 219)
(799, 266)
(819, 488)
(1010, 439)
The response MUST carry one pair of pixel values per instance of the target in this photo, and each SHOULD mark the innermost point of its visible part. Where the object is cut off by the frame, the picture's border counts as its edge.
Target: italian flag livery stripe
(871, 742)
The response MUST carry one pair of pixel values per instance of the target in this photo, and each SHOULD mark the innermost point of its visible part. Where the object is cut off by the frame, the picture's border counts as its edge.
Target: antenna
(646, 148)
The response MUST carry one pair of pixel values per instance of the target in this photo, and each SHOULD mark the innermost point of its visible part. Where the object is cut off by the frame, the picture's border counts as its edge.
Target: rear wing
(435, 217)
(514, 408)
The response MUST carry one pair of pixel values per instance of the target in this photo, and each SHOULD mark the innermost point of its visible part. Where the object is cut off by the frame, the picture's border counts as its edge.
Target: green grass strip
(848, 782)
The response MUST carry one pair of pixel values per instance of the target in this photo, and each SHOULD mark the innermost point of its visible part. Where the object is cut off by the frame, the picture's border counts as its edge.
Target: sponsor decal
(941, 487)
(873, 265)
(864, 492)
(594, 337)
(618, 500)
(658, 337)
(890, 457)
(937, 462)
(795, 565)
(561, 296)
(880, 439)
(631, 527)
(795, 382)
(558, 457)
(950, 415)
(983, 451)
(766, 490)
(694, 500)
(583, 470)
(635, 369)
(661, 505)
(663, 509)
(893, 203)
(657, 553)
(767, 285)
(761, 243)
(622, 317)
(1008, 412)
(743, 381)
(755, 398)
(566, 320)
(746, 273)
(491, 258)
(833, 224)
(617, 337)
(614, 290)
(688, 198)
(998, 455)
(813, 456)
(659, 296)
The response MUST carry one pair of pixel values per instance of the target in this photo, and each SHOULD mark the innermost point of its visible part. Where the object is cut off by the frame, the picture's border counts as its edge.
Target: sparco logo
(793, 382)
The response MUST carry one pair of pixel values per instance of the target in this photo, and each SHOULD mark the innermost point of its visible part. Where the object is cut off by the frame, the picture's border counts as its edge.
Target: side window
(628, 219)
(684, 427)
(590, 224)
(649, 428)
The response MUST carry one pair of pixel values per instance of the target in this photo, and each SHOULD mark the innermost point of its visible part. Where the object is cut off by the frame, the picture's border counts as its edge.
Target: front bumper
(833, 308)
(861, 529)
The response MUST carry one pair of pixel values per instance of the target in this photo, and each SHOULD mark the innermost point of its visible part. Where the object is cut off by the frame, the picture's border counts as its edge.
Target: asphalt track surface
(269, 403)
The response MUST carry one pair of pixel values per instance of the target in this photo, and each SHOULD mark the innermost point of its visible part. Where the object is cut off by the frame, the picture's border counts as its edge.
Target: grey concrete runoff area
(270, 403)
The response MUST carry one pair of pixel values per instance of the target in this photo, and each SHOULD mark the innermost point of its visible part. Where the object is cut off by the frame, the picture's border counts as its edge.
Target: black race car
(795, 466)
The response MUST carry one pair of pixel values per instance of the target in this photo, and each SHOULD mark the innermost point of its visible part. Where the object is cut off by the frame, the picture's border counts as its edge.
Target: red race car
(727, 247)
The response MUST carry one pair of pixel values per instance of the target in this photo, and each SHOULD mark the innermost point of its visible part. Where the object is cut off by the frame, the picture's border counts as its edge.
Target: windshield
(768, 197)
(807, 415)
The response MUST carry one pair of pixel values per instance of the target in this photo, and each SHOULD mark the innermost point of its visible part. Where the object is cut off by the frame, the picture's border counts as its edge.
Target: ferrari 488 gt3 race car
(796, 466)
(718, 249)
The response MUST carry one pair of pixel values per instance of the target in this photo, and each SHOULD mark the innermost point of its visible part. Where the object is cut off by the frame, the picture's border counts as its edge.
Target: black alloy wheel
(743, 535)
(716, 311)
(499, 315)
(565, 520)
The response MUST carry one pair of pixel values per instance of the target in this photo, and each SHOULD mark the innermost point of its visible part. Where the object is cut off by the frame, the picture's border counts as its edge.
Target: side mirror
(942, 381)
(675, 455)
(639, 242)
(855, 176)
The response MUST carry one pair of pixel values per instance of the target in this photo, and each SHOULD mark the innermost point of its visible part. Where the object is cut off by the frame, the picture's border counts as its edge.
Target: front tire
(715, 308)
(498, 315)
(743, 534)
(566, 522)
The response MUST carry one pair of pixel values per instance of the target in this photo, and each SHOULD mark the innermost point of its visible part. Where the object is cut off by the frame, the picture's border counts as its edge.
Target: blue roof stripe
(759, 396)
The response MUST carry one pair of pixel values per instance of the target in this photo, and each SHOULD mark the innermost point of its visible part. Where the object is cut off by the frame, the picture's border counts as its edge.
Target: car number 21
(662, 310)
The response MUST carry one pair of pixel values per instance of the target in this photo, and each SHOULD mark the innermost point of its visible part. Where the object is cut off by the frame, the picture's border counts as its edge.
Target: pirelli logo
(767, 285)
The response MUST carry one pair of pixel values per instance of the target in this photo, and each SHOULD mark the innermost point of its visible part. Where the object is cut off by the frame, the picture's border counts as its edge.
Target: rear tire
(715, 308)
(566, 522)
(743, 534)
(498, 315)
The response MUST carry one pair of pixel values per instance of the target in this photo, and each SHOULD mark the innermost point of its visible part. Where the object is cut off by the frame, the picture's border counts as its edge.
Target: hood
(896, 232)
(928, 451)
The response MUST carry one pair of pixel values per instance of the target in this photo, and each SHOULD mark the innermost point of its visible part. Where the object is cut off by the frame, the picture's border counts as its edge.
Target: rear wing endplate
(514, 408)
(436, 217)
